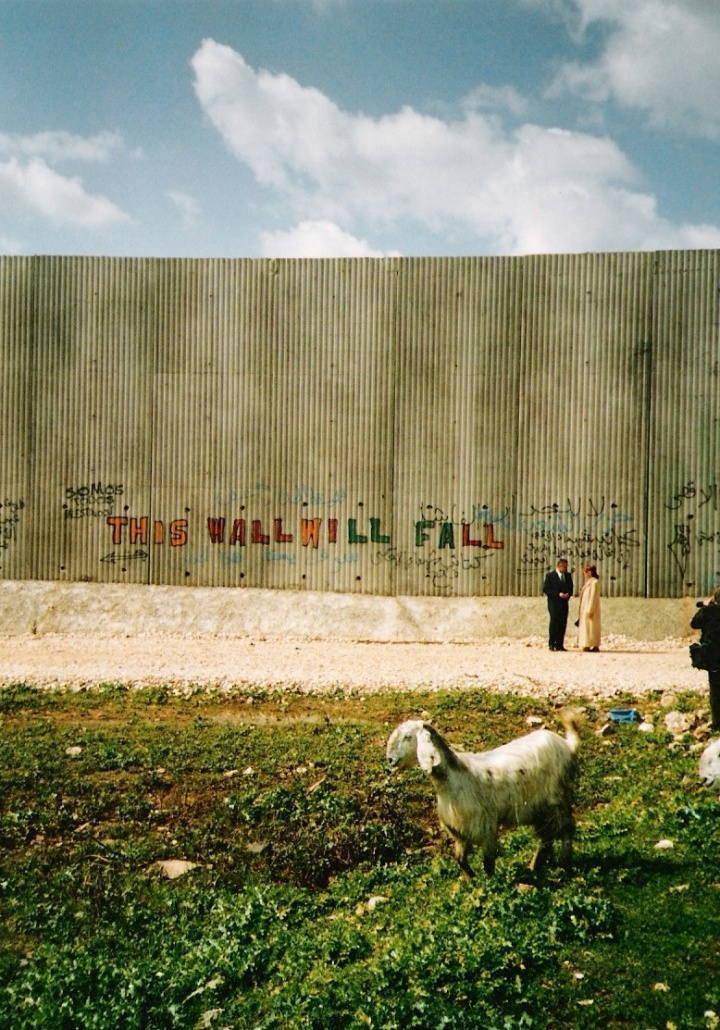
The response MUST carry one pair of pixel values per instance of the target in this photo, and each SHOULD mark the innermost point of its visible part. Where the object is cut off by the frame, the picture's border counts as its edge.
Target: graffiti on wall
(9, 522)
(694, 538)
(590, 532)
(581, 530)
(91, 501)
(444, 543)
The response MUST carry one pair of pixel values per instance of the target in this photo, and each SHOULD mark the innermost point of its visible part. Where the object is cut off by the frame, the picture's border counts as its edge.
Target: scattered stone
(605, 730)
(646, 727)
(664, 844)
(375, 900)
(534, 720)
(174, 867)
(678, 723)
(74, 751)
(257, 847)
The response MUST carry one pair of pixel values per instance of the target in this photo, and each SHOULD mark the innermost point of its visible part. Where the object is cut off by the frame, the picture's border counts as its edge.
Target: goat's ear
(427, 754)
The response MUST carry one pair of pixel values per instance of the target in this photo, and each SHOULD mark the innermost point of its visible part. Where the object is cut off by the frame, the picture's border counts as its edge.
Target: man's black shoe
(561, 649)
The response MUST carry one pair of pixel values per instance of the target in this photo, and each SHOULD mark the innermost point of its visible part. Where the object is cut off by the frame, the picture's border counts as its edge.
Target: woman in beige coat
(589, 621)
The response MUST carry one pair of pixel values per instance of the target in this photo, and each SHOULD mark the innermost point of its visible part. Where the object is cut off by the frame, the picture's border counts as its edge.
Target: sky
(360, 128)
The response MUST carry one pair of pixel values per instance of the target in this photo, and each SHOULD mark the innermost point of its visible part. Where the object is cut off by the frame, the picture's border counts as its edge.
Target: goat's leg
(543, 853)
(489, 855)
(545, 825)
(565, 835)
(557, 825)
(463, 850)
(566, 853)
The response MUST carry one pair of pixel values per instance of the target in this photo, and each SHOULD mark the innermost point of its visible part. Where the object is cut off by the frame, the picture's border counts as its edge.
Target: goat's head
(409, 742)
(709, 766)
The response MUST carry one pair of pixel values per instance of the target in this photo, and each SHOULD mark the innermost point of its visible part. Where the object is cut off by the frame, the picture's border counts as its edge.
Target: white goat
(709, 765)
(526, 782)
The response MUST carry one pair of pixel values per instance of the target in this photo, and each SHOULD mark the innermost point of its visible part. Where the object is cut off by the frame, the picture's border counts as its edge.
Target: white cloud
(35, 187)
(63, 146)
(11, 247)
(532, 190)
(315, 239)
(186, 205)
(659, 57)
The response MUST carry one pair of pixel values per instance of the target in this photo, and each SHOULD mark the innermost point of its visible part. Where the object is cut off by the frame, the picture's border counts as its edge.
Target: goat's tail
(572, 720)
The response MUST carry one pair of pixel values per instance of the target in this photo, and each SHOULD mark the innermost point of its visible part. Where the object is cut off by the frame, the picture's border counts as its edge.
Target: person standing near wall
(558, 588)
(589, 620)
(707, 620)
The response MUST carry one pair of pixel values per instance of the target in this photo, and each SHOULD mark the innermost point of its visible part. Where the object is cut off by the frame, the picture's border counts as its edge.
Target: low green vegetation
(323, 894)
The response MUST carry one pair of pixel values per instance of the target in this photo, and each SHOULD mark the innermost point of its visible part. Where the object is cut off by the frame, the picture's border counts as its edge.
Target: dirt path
(524, 666)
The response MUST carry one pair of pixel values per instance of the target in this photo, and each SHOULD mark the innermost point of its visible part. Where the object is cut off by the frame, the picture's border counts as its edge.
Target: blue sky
(293, 128)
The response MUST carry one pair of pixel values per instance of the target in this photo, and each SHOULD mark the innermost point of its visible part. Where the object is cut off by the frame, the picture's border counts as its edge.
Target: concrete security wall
(133, 610)
(390, 427)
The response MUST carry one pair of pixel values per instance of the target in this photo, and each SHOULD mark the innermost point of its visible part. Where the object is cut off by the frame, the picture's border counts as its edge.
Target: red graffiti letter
(216, 529)
(258, 537)
(466, 541)
(490, 541)
(117, 522)
(138, 529)
(178, 535)
(280, 537)
(310, 532)
(238, 533)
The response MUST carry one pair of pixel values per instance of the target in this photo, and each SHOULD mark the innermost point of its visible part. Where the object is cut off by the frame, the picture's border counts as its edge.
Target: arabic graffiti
(695, 536)
(9, 522)
(707, 495)
(582, 531)
(440, 568)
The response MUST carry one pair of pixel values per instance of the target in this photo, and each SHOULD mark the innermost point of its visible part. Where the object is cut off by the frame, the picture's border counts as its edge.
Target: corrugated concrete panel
(684, 467)
(273, 439)
(93, 340)
(16, 416)
(583, 428)
(459, 336)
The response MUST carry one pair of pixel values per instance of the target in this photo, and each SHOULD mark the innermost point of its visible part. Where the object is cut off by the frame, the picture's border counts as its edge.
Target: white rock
(664, 844)
(73, 751)
(646, 727)
(678, 723)
(375, 900)
(174, 867)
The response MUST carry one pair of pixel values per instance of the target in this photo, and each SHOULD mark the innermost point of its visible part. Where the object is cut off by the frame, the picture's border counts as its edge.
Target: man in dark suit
(558, 588)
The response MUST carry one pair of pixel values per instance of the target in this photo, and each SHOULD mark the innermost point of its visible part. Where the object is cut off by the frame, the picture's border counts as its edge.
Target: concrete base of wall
(51, 607)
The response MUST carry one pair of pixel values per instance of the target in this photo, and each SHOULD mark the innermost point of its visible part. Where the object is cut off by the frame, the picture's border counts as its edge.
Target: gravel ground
(519, 666)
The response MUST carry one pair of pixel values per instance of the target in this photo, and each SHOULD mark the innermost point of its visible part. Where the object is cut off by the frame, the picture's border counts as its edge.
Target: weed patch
(322, 893)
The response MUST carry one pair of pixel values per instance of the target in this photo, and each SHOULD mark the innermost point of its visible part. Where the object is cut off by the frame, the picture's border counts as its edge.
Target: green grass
(324, 894)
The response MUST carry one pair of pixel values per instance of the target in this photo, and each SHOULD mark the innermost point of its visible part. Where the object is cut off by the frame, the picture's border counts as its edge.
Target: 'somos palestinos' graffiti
(94, 500)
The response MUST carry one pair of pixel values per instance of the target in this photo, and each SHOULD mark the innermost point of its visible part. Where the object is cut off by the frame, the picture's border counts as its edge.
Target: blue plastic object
(625, 715)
